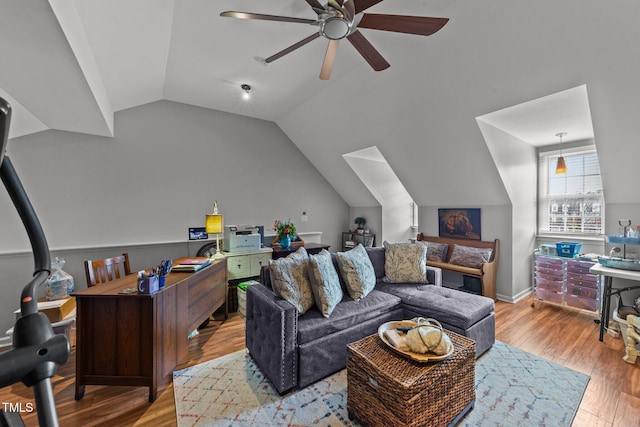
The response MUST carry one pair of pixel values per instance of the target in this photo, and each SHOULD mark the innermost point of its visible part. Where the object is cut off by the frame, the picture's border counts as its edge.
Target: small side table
(351, 240)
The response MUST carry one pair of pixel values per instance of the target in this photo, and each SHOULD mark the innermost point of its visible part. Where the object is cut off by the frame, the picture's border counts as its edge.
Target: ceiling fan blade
(263, 17)
(329, 59)
(365, 4)
(419, 25)
(292, 48)
(349, 9)
(368, 52)
(315, 4)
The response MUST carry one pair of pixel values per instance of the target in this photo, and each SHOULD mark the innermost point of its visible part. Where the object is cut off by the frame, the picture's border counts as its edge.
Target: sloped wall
(157, 177)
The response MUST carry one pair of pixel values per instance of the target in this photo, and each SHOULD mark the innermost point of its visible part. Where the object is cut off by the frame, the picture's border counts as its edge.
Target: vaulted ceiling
(71, 64)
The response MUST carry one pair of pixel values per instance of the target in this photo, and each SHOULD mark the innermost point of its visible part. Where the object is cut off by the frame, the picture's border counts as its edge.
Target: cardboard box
(55, 310)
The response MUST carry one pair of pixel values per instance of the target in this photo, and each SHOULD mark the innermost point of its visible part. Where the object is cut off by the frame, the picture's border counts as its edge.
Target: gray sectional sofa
(294, 350)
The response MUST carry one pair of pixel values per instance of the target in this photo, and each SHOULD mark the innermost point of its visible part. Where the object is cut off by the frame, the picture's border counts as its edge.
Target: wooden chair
(106, 270)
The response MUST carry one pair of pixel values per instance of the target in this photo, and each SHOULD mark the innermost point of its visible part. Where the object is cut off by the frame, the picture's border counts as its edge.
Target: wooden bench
(486, 273)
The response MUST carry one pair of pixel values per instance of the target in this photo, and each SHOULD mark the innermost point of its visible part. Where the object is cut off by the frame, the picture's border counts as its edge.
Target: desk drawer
(257, 261)
(239, 266)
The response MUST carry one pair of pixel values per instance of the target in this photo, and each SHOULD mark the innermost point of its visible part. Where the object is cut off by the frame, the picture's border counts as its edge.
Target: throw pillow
(357, 272)
(436, 251)
(405, 262)
(470, 257)
(290, 279)
(325, 283)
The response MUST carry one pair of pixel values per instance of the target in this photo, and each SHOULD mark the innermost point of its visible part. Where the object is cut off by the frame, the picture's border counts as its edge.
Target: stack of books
(190, 265)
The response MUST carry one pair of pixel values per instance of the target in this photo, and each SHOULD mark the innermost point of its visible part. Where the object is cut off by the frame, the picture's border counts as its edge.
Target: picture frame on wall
(461, 223)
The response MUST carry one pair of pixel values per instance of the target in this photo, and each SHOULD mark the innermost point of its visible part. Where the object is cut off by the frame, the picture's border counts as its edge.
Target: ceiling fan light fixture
(247, 91)
(335, 28)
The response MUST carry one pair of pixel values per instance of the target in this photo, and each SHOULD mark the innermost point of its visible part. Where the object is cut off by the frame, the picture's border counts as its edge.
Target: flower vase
(285, 242)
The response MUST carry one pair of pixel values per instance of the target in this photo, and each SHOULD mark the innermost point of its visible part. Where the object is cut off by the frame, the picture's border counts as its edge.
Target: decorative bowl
(621, 263)
(418, 357)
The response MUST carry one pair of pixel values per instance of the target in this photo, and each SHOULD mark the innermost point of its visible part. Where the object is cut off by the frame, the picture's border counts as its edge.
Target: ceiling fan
(340, 19)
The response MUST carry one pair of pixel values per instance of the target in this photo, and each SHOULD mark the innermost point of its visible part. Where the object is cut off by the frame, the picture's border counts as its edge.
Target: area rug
(513, 388)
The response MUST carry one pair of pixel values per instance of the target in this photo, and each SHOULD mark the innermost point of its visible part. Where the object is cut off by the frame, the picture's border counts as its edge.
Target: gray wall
(159, 175)
(495, 224)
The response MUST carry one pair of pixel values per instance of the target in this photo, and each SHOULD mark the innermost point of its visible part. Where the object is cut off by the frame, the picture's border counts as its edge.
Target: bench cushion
(348, 313)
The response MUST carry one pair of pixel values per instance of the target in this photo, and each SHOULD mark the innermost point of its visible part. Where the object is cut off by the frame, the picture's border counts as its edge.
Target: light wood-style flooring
(564, 336)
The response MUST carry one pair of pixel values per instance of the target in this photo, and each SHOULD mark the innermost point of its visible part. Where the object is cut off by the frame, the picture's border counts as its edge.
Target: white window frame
(583, 215)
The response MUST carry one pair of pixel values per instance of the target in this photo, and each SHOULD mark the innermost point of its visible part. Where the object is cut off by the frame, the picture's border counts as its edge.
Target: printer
(242, 238)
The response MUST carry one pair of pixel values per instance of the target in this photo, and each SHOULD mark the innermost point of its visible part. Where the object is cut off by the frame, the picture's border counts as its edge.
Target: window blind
(572, 203)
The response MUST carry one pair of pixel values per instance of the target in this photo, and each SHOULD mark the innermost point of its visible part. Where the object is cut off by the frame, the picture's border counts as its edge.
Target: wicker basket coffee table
(386, 389)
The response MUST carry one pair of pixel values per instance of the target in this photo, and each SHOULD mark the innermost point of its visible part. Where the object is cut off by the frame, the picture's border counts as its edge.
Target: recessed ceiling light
(247, 90)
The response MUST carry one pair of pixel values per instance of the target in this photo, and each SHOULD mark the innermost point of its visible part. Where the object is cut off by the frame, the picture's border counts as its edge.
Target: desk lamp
(214, 225)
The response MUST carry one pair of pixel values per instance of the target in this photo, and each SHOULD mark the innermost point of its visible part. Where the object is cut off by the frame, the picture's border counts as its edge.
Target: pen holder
(161, 281)
(148, 284)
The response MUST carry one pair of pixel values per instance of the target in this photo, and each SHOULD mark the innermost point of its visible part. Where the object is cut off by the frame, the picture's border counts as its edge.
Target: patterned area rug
(513, 388)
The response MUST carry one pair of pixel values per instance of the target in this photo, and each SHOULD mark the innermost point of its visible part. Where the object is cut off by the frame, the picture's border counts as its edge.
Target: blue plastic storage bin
(568, 249)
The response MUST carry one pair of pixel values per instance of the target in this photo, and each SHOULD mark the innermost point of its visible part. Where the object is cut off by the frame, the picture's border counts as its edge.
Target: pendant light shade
(561, 166)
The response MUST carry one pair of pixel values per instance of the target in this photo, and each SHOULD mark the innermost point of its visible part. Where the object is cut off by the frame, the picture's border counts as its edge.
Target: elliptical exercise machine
(37, 351)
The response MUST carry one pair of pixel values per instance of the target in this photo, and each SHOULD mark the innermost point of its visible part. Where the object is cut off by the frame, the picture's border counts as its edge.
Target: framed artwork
(459, 223)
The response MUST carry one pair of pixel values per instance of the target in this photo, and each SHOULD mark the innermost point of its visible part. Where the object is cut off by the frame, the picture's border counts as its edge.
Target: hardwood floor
(564, 336)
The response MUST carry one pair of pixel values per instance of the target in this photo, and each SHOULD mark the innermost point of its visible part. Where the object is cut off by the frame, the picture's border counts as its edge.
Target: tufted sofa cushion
(449, 306)
(348, 313)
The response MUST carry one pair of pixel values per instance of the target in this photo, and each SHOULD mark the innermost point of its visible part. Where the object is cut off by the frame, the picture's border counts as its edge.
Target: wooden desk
(138, 339)
(609, 273)
(311, 248)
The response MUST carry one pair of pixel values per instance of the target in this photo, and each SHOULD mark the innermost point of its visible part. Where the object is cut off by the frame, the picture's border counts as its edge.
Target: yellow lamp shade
(214, 223)
(561, 166)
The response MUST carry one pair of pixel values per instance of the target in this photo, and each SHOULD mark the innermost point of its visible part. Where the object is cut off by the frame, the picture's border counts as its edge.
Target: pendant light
(561, 166)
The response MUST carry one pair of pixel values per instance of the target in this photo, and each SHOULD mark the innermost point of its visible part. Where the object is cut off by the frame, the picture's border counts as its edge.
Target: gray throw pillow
(290, 279)
(470, 257)
(357, 272)
(405, 262)
(325, 283)
(435, 251)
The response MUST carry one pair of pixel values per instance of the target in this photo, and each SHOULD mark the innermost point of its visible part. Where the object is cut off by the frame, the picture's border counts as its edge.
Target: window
(572, 203)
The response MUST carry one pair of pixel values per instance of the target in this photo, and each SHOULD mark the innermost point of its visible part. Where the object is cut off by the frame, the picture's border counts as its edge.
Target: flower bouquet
(286, 234)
